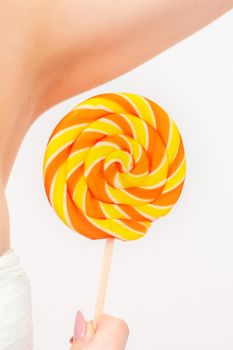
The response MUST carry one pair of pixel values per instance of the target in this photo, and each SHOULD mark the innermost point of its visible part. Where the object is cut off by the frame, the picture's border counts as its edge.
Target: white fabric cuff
(15, 305)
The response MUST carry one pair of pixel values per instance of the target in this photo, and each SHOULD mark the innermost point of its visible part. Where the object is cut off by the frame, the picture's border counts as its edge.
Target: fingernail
(80, 326)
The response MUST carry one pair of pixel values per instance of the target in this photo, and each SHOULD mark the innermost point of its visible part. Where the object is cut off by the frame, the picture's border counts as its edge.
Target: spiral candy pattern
(113, 165)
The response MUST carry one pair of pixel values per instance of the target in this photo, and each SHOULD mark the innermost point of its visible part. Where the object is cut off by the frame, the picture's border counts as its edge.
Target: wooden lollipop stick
(103, 279)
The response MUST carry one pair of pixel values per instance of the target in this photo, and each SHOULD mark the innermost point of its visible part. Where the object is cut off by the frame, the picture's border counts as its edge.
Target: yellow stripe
(131, 180)
(57, 143)
(139, 128)
(141, 106)
(75, 160)
(173, 142)
(59, 191)
(157, 176)
(105, 127)
(79, 195)
(96, 154)
(100, 101)
(122, 157)
(176, 178)
(153, 211)
(116, 228)
(112, 211)
(135, 147)
(119, 196)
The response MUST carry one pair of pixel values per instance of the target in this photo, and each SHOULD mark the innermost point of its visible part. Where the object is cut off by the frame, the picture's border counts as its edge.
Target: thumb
(83, 332)
(111, 333)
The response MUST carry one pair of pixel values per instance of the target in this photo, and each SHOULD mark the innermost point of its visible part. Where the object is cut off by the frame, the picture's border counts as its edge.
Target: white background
(174, 287)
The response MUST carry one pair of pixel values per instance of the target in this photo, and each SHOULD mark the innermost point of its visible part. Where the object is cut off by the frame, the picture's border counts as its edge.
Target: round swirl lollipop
(113, 165)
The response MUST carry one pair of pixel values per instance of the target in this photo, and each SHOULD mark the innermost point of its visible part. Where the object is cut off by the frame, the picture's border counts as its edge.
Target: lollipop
(113, 165)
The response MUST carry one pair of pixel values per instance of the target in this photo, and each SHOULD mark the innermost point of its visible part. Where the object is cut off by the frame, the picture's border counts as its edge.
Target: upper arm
(89, 42)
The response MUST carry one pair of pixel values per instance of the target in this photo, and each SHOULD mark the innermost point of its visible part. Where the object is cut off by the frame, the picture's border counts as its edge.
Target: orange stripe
(81, 224)
(110, 173)
(178, 159)
(143, 193)
(122, 123)
(156, 150)
(53, 166)
(120, 100)
(77, 117)
(87, 140)
(162, 121)
(169, 198)
(73, 180)
(96, 183)
(93, 208)
(142, 165)
(130, 211)
(119, 141)
(135, 225)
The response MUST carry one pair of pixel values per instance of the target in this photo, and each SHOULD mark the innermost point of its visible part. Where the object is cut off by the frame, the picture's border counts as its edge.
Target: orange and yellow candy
(113, 165)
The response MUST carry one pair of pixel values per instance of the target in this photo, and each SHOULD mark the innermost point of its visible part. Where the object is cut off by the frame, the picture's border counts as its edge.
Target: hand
(111, 334)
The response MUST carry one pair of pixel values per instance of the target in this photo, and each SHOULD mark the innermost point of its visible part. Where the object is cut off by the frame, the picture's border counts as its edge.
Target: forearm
(4, 223)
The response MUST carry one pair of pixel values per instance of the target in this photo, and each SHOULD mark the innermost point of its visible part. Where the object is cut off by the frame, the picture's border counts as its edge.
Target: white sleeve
(15, 305)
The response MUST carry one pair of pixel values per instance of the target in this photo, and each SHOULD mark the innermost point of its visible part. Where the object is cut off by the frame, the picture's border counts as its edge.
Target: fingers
(83, 342)
(111, 334)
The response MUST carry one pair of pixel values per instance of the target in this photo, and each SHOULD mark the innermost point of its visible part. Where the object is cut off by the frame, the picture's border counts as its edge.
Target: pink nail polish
(80, 326)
